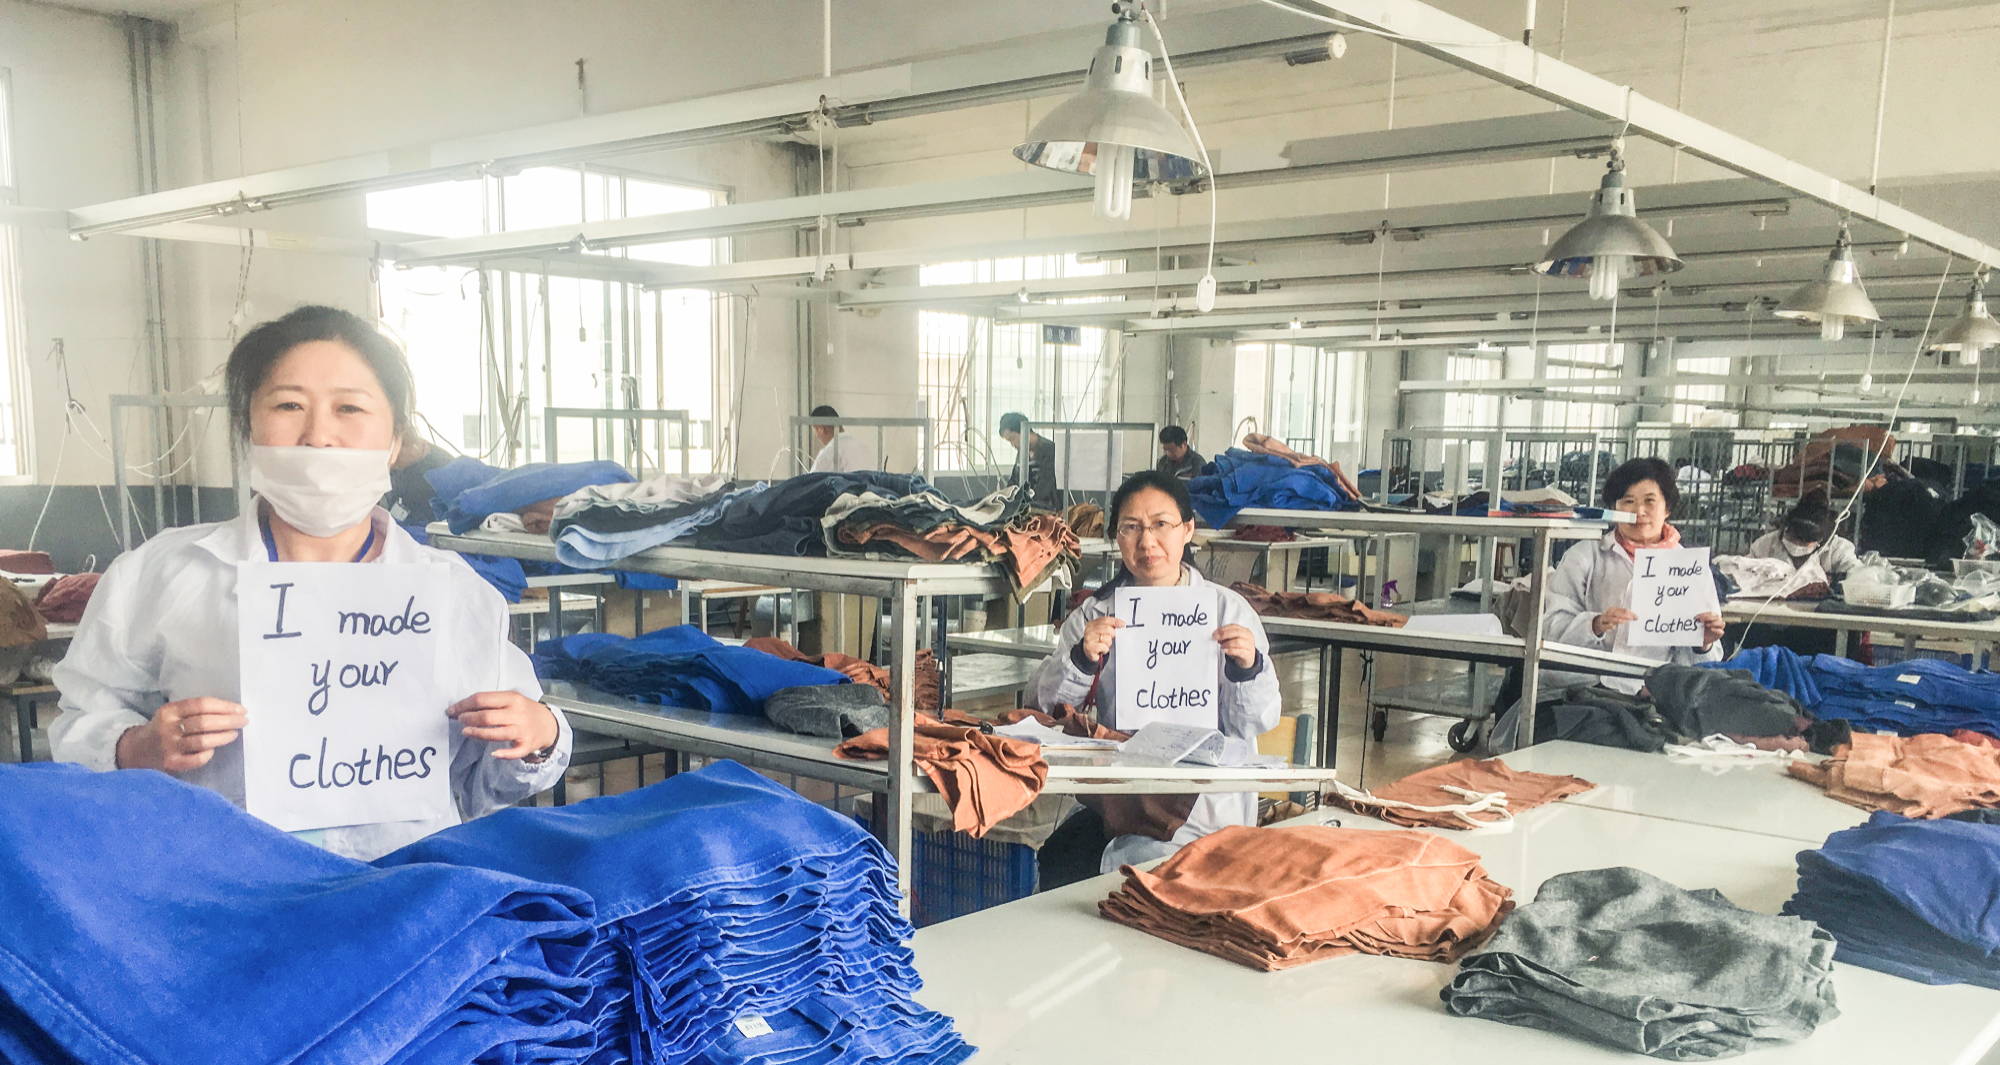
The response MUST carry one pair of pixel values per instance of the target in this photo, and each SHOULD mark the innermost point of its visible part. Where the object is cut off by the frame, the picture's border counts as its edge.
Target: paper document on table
(1161, 743)
(1053, 739)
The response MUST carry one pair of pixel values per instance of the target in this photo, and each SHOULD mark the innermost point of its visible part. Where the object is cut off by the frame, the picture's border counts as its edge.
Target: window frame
(20, 423)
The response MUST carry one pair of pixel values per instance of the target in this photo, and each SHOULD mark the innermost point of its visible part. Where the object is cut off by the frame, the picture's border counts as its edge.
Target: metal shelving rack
(903, 584)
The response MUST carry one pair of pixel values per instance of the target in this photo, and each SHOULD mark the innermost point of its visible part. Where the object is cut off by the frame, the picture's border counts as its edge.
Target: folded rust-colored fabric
(1035, 543)
(1275, 898)
(537, 517)
(1524, 791)
(1085, 519)
(929, 683)
(1153, 816)
(26, 563)
(1318, 606)
(984, 778)
(19, 624)
(940, 543)
(1924, 776)
(63, 599)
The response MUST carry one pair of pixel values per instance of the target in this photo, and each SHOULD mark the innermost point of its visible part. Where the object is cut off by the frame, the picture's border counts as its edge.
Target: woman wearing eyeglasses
(1152, 517)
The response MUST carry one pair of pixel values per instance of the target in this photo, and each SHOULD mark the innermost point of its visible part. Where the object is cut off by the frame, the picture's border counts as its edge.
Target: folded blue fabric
(578, 544)
(678, 666)
(224, 940)
(510, 490)
(1919, 899)
(784, 518)
(505, 574)
(1907, 698)
(1776, 668)
(722, 895)
(1237, 479)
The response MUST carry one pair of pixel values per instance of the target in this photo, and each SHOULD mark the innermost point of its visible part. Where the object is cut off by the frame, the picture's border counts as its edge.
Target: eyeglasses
(1131, 530)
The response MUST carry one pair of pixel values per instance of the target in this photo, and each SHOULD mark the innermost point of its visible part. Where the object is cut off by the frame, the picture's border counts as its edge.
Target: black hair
(1175, 435)
(1175, 488)
(1632, 472)
(824, 411)
(1012, 421)
(1810, 520)
(250, 361)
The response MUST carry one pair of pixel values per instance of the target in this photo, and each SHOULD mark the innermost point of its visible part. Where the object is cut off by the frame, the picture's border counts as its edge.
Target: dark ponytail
(1139, 482)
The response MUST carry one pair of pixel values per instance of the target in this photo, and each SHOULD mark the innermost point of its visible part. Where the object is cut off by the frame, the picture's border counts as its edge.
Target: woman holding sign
(154, 680)
(1589, 599)
(1152, 517)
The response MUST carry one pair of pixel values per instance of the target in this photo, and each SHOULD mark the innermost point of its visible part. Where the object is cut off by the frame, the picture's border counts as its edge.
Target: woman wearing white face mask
(1807, 534)
(151, 680)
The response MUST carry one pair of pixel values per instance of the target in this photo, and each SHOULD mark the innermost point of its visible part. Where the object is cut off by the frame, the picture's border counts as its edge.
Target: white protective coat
(1248, 709)
(1593, 578)
(161, 627)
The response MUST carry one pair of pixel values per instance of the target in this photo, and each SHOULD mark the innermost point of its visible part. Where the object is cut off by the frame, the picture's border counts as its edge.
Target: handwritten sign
(1169, 665)
(340, 678)
(1670, 588)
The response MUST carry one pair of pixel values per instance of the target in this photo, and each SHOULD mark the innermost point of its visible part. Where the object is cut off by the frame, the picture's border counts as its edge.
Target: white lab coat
(1249, 708)
(1836, 556)
(162, 627)
(1591, 579)
(845, 453)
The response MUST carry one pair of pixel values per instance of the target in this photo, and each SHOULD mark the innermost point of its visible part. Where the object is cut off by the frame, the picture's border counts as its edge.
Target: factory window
(14, 455)
(1473, 410)
(1308, 397)
(1690, 400)
(492, 348)
(972, 368)
(1582, 362)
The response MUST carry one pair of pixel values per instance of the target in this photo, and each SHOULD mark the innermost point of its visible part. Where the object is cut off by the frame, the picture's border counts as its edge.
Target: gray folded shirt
(1625, 958)
(836, 711)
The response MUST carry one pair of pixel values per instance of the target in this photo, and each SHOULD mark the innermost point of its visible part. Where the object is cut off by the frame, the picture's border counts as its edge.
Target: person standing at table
(1038, 453)
(1177, 458)
(839, 450)
(321, 402)
(1152, 520)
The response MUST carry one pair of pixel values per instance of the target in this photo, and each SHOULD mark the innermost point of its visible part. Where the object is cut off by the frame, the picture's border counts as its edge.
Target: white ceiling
(162, 10)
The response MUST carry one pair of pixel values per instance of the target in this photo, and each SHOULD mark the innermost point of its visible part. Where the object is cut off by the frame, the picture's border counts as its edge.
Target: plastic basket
(953, 874)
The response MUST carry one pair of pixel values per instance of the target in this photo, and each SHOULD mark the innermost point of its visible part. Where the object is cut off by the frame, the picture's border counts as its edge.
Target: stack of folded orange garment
(1275, 898)
(984, 778)
(1461, 795)
(1320, 606)
(1921, 776)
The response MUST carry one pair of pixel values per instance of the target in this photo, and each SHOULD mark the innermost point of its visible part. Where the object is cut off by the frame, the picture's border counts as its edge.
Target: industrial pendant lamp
(1611, 244)
(1113, 130)
(1835, 301)
(1972, 330)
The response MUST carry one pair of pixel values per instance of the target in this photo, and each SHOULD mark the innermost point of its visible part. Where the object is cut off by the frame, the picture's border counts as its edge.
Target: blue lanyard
(271, 546)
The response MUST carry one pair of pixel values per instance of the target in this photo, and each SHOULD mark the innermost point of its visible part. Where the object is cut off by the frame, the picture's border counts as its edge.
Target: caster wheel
(1463, 737)
(1379, 726)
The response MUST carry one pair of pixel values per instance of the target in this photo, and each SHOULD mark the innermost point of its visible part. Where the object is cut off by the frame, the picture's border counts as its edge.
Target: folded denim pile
(470, 491)
(228, 942)
(923, 525)
(677, 666)
(1907, 698)
(1623, 958)
(737, 923)
(1276, 898)
(604, 523)
(1320, 606)
(1918, 899)
(1237, 479)
(1695, 703)
(1917, 776)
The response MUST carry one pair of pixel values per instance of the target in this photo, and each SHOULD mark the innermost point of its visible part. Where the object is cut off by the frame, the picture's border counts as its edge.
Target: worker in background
(321, 402)
(1805, 534)
(839, 450)
(1152, 520)
(1039, 454)
(1176, 457)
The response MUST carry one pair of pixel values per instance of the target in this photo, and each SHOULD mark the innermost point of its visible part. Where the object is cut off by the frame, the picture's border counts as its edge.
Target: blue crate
(954, 874)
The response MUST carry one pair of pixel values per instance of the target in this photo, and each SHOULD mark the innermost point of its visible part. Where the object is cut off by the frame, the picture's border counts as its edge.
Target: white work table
(1981, 634)
(1047, 981)
(1758, 798)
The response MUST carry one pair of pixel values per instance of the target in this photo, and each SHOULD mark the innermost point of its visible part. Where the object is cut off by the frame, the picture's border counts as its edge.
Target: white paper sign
(347, 720)
(1670, 587)
(1169, 665)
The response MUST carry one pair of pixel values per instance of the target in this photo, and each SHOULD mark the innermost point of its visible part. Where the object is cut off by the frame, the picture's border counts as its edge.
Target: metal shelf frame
(801, 423)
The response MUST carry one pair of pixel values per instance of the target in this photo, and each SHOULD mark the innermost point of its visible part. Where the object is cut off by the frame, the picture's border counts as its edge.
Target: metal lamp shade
(1972, 330)
(1115, 109)
(1611, 228)
(1838, 293)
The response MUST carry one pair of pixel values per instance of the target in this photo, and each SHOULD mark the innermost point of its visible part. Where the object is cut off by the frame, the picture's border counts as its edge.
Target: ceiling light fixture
(1835, 301)
(1974, 328)
(1611, 244)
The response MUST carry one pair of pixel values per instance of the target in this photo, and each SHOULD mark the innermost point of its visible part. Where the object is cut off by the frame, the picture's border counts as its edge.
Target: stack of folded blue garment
(149, 920)
(739, 923)
(603, 533)
(472, 491)
(1907, 698)
(504, 574)
(679, 666)
(1918, 899)
(1237, 479)
(1776, 668)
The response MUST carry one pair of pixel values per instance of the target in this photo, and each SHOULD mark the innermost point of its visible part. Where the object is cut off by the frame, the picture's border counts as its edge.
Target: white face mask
(320, 491)
(1799, 550)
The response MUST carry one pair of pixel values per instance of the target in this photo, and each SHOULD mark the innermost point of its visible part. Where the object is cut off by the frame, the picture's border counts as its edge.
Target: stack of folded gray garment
(1624, 958)
(837, 711)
